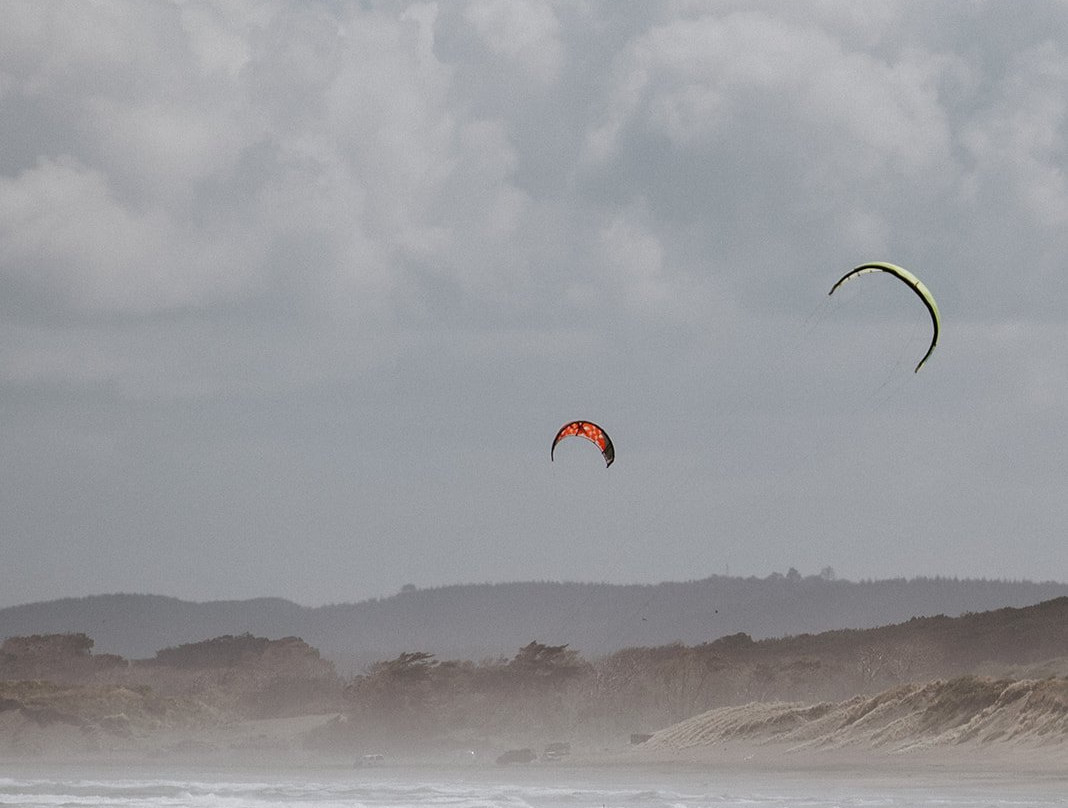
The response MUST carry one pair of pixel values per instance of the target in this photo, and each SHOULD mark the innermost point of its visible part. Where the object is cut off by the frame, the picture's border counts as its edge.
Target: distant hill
(492, 620)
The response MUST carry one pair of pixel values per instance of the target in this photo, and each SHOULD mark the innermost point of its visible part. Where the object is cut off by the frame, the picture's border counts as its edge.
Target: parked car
(517, 756)
(556, 751)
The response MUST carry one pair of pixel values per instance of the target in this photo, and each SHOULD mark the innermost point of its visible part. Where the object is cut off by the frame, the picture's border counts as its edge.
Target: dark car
(517, 756)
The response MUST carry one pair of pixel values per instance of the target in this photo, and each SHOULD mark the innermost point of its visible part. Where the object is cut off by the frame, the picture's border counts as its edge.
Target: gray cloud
(294, 295)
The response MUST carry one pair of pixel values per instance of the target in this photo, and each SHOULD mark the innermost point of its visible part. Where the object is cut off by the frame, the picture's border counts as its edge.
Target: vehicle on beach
(556, 751)
(524, 755)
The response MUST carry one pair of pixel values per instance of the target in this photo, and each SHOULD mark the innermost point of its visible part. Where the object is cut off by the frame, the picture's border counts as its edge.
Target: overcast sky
(295, 295)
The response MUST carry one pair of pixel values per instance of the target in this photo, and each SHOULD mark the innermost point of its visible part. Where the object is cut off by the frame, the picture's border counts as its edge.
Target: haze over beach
(295, 295)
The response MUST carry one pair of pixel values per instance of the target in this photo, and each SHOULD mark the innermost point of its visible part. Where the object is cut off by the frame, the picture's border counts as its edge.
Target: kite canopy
(591, 432)
(916, 285)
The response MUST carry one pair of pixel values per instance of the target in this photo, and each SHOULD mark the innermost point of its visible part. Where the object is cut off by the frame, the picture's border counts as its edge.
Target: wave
(389, 793)
(763, 792)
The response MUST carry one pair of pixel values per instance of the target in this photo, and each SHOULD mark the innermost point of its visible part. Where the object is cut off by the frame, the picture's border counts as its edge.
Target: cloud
(66, 239)
(713, 103)
(524, 33)
(240, 242)
(1019, 141)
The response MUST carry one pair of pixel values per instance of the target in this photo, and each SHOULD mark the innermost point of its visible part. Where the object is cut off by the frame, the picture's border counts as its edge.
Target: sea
(67, 788)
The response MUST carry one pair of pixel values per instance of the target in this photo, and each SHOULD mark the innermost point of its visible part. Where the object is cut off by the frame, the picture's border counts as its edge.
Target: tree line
(550, 691)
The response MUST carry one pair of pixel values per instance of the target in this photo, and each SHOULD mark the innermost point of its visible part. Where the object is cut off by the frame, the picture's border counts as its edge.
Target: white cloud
(220, 49)
(1019, 145)
(633, 262)
(525, 32)
(164, 151)
(67, 50)
(228, 139)
(62, 229)
(751, 80)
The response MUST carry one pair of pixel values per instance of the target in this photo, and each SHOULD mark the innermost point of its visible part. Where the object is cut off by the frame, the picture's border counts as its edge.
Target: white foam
(762, 792)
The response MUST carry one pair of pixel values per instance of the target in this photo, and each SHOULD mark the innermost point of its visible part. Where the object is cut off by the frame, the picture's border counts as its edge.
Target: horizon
(404, 589)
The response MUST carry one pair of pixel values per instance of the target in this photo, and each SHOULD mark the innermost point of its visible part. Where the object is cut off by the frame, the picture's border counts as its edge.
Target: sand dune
(965, 711)
(977, 723)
